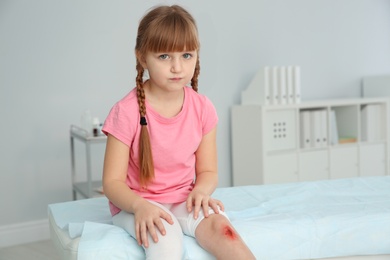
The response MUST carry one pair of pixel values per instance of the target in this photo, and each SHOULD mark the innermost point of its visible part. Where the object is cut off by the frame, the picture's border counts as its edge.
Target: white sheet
(284, 221)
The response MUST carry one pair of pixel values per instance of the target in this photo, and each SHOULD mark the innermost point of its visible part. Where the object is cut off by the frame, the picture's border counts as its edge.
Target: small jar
(96, 126)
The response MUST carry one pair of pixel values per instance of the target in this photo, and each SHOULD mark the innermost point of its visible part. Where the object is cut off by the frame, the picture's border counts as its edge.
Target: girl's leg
(214, 233)
(168, 247)
(217, 235)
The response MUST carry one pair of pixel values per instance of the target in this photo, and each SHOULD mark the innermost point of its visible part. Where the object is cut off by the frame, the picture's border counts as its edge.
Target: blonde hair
(162, 29)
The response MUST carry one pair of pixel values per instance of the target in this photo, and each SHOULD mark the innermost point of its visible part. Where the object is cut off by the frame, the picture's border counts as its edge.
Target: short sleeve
(209, 117)
(120, 123)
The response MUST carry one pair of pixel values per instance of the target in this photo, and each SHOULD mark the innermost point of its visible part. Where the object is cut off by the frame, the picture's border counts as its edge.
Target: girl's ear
(141, 59)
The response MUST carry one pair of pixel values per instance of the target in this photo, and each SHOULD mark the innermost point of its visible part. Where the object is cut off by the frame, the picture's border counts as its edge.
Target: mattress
(307, 220)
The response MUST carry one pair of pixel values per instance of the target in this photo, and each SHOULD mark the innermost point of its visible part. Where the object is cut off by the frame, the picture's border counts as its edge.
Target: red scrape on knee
(229, 233)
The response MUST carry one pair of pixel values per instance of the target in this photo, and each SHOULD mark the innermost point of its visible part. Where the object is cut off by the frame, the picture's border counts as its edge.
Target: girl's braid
(145, 150)
(194, 80)
(140, 89)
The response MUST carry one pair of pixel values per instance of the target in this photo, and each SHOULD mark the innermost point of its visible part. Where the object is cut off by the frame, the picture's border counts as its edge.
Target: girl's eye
(187, 55)
(163, 56)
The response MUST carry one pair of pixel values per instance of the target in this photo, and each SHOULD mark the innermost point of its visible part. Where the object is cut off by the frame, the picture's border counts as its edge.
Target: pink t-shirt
(174, 142)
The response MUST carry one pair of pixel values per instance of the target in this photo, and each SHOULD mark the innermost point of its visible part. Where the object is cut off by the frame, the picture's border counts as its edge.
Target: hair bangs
(173, 34)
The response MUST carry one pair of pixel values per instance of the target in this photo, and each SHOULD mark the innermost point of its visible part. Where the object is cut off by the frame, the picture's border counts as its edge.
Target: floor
(42, 250)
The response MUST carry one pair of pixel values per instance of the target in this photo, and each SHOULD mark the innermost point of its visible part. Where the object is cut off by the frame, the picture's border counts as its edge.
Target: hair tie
(143, 121)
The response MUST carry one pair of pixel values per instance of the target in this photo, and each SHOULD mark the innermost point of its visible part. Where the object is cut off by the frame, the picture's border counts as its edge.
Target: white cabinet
(309, 141)
(280, 132)
(275, 172)
(313, 165)
(344, 162)
(372, 159)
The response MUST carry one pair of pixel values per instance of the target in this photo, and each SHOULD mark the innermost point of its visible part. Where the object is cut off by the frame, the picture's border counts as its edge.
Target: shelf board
(83, 135)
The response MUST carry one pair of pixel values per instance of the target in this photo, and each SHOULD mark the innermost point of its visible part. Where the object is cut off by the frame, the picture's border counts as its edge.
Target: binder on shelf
(371, 122)
(289, 85)
(324, 128)
(282, 85)
(305, 126)
(274, 86)
(297, 84)
(334, 134)
(259, 89)
(316, 131)
(265, 78)
(364, 123)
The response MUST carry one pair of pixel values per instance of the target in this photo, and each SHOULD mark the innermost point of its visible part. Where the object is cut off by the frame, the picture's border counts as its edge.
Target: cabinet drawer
(372, 159)
(344, 162)
(281, 168)
(314, 165)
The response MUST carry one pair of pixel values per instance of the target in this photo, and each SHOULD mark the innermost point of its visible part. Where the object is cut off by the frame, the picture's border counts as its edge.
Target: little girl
(160, 166)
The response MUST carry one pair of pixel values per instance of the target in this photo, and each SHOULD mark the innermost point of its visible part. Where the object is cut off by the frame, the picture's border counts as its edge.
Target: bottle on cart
(96, 126)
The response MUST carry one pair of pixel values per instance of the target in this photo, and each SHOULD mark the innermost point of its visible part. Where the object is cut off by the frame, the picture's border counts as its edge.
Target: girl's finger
(205, 206)
(189, 204)
(160, 227)
(137, 234)
(167, 217)
(221, 206)
(198, 204)
(144, 235)
(214, 206)
(152, 232)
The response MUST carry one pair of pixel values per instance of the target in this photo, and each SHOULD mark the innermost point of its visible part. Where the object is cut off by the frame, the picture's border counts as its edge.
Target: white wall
(58, 58)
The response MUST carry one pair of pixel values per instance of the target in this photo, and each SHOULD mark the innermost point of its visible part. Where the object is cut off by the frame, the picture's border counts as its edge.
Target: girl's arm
(147, 215)
(206, 176)
(114, 176)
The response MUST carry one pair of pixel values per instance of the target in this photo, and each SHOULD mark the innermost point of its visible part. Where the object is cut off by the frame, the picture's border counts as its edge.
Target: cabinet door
(279, 130)
(280, 168)
(313, 165)
(372, 160)
(343, 162)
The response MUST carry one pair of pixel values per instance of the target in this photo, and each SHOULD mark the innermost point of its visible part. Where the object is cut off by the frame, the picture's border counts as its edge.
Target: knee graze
(223, 227)
(229, 232)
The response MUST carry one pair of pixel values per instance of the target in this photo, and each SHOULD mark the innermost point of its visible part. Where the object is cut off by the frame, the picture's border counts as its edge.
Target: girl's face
(170, 70)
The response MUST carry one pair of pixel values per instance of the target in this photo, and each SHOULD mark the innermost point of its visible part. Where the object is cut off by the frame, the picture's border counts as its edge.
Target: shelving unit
(268, 144)
(87, 189)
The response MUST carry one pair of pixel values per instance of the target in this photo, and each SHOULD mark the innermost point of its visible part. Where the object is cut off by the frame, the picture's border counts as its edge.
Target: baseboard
(27, 232)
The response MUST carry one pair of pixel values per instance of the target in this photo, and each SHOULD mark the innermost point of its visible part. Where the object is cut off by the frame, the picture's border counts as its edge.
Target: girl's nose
(176, 65)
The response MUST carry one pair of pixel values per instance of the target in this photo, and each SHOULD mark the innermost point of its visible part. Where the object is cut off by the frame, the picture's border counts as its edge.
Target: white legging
(169, 246)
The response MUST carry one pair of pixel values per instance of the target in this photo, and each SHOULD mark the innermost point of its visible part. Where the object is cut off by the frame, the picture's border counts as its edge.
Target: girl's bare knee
(219, 226)
(225, 229)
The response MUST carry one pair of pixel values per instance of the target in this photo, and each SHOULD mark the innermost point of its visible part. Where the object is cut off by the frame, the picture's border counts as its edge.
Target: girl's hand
(199, 199)
(147, 218)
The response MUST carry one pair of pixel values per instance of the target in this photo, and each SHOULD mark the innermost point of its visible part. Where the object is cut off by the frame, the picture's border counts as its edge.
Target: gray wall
(59, 58)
